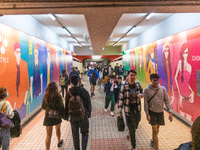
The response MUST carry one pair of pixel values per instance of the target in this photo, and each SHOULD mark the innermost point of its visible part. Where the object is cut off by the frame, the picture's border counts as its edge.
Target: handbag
(5, 122)
(54, 114)
(120, 124)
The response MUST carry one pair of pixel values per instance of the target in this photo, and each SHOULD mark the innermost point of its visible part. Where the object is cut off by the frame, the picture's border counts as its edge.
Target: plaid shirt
(124, 97)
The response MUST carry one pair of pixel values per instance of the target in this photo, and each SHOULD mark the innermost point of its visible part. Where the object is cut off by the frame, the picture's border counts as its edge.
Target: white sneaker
(105, 110)
(111, 113)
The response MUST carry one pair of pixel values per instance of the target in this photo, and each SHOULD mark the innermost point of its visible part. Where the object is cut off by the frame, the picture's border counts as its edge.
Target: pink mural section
(177, 61)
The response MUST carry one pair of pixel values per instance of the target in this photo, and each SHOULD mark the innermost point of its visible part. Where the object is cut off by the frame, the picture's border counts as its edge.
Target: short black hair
(112, 77)
(119, 78)
(74, 79)
(133, 71)
(154, 76)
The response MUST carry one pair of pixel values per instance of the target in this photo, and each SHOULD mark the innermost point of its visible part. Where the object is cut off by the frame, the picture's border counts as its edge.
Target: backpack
(94, 76)
(62, 80)
(17, 129)
(76, 108)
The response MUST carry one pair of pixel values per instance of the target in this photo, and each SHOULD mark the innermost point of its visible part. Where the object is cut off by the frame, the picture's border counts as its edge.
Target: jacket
(124, 97)
(158, 101)
(83, 93)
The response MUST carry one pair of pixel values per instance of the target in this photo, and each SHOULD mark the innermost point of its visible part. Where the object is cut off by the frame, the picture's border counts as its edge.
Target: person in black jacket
(74, 72)
(83, 125)
(65, 85)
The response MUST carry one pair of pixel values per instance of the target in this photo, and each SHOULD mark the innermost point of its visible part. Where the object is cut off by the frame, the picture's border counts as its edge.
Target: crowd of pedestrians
(122, 92)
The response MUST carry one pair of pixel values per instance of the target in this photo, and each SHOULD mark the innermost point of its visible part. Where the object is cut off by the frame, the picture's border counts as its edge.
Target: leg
(48, 136)
(58, 133)
(62, 88)
(112, 98)
(93, 88)
(5, 139)
(84, 131)
(107, 101)
(155, 135)
(75, 135)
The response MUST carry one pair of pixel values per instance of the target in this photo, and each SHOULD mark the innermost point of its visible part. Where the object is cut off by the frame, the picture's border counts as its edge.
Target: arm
(167, 101)
(176, 75)
(88, 73)
(88, 103)
(121, 100)
(44, 104)
(146, 105)
(41, 79)
(66, 103)
(141, 94)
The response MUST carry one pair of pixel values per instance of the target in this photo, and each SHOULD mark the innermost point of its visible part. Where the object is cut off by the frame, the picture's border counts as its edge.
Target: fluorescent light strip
(52, 16)
(96, 57)
(68, 33)
(149, 16)
(131, 30)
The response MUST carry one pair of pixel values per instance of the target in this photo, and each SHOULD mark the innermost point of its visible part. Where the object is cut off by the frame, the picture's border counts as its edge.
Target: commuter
(117, 84)
(93, 76)
(126, 75)
(116, 68)
(195, 143)
(72, 73)
(120, 70)
(110, 70)
(105, 74)
(54, 108)
(125, 79)
(110, 96)
(7, 109)
(154, 98)
(100, 78)
(63, 82)
(84, 124)
(129, 97)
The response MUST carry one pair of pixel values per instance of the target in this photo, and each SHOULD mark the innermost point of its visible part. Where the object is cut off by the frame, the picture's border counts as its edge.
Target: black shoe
(152, 143)
(91, 94)
(60, 144)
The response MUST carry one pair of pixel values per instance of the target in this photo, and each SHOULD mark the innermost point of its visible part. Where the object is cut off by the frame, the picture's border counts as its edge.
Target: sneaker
(60, 144)
(105, 110)
(152, 143)
(111, 113)
(91, 94)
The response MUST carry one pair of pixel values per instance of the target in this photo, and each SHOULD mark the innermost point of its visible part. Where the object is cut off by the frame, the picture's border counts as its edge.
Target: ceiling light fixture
(131, 30)
(96, 57)
(52, 16)
(68, 33)
(75, 40)
(149, 16)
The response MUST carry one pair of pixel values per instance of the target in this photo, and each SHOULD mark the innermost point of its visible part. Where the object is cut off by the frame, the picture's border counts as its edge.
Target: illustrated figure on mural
(37, 79)
(167, 68)
(22, 81)
(152, 65)
(56, 65)
(132, 60)
(182, 76)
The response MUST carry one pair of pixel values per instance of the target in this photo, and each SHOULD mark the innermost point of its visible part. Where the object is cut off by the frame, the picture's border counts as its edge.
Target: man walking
(81, 94)
(155, 96)
(93, 76)
(116, 69)
(129, 97)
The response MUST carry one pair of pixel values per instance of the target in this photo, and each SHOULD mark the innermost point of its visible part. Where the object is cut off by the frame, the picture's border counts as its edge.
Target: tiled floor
(103, 131)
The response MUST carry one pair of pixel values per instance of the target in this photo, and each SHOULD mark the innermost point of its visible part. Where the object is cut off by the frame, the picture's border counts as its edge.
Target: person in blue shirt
(93, 76)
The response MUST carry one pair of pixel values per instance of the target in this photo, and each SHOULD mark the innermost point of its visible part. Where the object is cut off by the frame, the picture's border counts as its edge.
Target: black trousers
(133, 122)
(84, 127)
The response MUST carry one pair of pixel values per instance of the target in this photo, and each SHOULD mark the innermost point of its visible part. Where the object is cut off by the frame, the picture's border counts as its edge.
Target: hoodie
(83, 93)
(157, 102)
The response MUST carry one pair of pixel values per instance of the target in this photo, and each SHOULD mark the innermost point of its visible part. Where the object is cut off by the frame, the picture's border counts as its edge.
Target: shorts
(156, 118)
(93, 82)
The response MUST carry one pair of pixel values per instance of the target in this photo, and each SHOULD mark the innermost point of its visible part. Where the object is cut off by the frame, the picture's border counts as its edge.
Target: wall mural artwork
(177, 61)
(27, 66)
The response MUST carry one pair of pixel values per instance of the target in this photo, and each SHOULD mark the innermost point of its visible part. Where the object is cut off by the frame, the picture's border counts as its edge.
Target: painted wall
(176, 59)
(27, 66)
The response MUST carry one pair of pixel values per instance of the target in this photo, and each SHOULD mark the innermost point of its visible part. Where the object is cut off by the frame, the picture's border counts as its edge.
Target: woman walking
(7, 109)
(54, 109)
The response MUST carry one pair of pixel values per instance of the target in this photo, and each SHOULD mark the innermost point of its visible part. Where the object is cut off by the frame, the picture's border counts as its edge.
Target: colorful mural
(27, 66)
(177, 61)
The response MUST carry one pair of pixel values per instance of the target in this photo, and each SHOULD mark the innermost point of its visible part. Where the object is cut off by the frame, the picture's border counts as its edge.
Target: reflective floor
(103, 131)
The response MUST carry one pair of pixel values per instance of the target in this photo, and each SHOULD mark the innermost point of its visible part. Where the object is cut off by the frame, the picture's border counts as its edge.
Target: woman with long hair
(182, 76)
(7, 109)
(54, 109)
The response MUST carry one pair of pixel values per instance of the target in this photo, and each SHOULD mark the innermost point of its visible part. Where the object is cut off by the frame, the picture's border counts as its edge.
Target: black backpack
(94, 76)
(17, 129)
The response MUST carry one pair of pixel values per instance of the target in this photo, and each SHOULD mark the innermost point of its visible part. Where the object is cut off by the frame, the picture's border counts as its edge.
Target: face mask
(92, 69)
(6, 95)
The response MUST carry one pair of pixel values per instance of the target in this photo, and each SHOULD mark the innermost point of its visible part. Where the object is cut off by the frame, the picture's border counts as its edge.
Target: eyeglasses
(185, 52)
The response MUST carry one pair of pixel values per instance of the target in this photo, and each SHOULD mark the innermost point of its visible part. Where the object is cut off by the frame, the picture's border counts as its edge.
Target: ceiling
(98, 18)
(77, 26)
